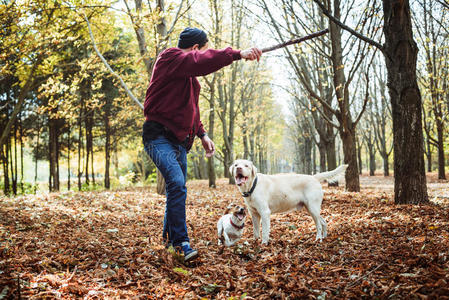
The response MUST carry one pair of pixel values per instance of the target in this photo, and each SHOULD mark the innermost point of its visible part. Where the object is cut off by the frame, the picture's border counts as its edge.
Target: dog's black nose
(241, 210)
(239, 168)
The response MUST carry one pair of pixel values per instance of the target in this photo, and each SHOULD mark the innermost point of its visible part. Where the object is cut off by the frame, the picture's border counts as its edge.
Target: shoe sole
(191, 256)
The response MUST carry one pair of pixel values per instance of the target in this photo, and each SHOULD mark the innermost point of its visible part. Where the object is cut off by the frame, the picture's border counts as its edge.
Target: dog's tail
(331, 176)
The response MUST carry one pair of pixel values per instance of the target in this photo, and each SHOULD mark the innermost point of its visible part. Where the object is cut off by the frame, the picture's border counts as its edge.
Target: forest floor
(108, 245)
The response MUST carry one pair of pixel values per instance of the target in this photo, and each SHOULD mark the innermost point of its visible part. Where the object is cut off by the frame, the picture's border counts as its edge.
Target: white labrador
(267, 194)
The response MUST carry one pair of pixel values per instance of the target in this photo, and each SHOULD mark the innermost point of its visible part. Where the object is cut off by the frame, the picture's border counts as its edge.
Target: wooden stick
(295, 41)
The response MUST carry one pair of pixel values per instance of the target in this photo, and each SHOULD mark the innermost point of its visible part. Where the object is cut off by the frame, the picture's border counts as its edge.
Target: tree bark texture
(53, 154)
(400, 52)
(350, 158)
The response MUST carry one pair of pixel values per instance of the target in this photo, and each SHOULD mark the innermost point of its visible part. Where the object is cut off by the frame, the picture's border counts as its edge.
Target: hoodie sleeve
(200, 132)
(201, 63)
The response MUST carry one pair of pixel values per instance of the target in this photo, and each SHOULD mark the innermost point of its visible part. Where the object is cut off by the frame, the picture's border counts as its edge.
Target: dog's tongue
(240, 217)
(240, 179)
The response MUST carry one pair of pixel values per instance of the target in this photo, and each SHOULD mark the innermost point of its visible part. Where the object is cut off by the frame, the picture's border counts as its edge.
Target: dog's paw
(318, 239)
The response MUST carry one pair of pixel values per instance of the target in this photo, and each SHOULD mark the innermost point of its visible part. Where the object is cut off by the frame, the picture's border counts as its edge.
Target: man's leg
(165, 156)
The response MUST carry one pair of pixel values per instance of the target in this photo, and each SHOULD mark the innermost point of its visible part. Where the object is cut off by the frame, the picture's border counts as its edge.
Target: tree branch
(366, 97)
(130, 94)
(295, 41)
(347, 28)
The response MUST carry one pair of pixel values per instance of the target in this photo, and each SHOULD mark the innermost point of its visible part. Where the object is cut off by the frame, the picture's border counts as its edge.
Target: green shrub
(91, 187)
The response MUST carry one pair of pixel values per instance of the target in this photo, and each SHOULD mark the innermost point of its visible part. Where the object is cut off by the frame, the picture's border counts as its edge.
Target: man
(173, 120)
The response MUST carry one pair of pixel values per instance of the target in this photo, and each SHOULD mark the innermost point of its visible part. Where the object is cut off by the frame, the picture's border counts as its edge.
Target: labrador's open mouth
(240, 179)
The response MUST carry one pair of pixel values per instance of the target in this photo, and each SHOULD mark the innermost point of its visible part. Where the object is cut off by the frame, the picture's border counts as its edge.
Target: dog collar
(247, 194)
(236, 226)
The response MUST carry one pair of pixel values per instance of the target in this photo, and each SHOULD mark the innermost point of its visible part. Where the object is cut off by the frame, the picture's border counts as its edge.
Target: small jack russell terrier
(230, 226)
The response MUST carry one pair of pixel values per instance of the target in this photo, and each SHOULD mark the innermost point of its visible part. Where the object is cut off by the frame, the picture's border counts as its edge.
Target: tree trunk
(322, 150)
(330, 154)
(196, 169)
(107, 152)
(441, 161)
(11, 166)
(115, 157)
(36, 156)
(4, 153)
(429, 155)
(359, 156)
(14, 177)
(400, 55)
(347, 130)
(252, 153)
(211, 172)
(88, 146)
(160, 187)
(53, 148)
(80, 147)
(434, 83)
(21, 155)
(386, 166)
(92, 158)
(68, 158)
(210, 161)
(308, 155)
(140, 34)
(350, 158)
(203, 165)
(372, 161)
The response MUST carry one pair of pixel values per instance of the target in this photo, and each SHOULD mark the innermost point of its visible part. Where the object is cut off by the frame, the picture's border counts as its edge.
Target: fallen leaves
(100, 245)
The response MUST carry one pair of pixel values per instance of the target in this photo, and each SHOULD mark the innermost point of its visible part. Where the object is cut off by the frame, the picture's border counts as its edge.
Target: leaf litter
(108, 245)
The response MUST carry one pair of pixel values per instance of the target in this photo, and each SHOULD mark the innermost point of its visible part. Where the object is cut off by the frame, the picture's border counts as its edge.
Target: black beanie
(190, 37)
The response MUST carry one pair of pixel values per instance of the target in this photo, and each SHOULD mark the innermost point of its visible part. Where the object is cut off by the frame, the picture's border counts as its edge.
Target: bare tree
(434, 41)
(400, 52)
(216, 17)
(380, 117)
(320, 91)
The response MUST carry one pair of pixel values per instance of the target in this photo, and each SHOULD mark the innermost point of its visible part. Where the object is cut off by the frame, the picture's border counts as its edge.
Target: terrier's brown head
(239, 212)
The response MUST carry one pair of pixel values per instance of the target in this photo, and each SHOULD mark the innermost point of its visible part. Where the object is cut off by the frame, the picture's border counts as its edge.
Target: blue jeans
(171, 160)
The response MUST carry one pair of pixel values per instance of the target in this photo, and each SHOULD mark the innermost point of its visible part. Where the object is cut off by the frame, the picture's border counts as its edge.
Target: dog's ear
(231, 169)
(254, 170)
(229, 208)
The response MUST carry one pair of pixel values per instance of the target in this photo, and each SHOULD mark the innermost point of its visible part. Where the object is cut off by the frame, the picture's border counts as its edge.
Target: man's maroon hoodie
(172, 96)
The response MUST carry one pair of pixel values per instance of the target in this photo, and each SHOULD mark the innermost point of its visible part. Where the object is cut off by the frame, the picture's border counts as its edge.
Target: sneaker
(189, 253)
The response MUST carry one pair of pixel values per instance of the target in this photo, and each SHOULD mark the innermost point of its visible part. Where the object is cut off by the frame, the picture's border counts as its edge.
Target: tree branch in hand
(295, 41)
